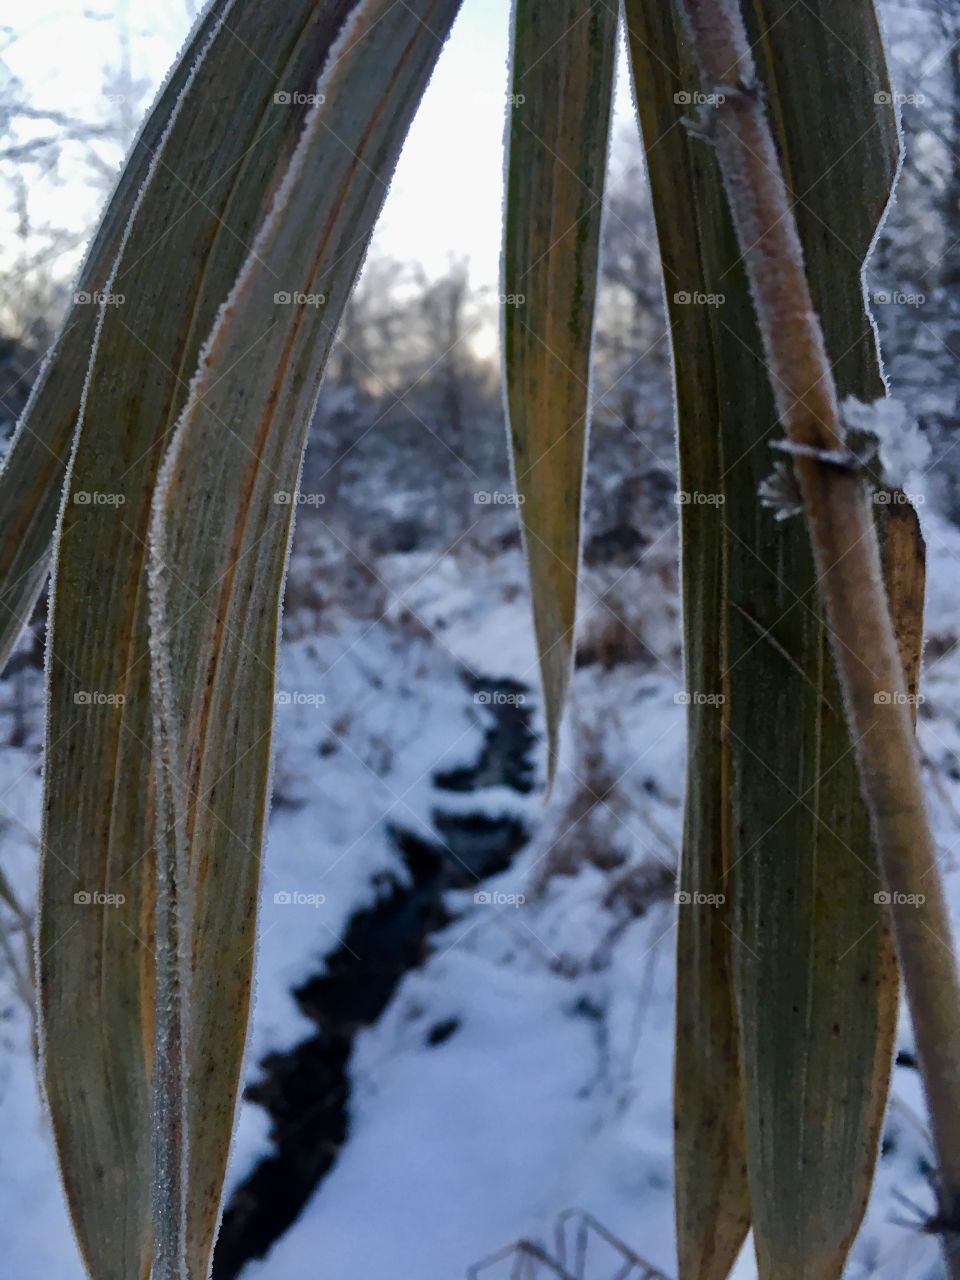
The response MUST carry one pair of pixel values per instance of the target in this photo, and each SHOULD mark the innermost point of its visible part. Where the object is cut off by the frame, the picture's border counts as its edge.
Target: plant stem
(847, 558)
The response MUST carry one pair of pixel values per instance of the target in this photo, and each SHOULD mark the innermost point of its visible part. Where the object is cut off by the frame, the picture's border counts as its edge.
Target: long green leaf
(713, 1208)
(563, 68)
(221, 529)
(816, 975)
(227, 147)
(31, 481)
(810, 954)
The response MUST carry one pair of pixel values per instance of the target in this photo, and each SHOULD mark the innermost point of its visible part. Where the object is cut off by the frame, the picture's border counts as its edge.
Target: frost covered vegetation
(480, 844)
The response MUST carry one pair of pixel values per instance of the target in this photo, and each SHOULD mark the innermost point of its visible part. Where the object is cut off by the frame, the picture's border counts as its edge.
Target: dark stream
(306, 1090)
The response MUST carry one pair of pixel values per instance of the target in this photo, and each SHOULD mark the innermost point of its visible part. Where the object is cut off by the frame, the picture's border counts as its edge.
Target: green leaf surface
(815, 970)
(807, 946)
(562, 89)
(31, 481)
(214, 176)
(220, 535)
(713, 1207)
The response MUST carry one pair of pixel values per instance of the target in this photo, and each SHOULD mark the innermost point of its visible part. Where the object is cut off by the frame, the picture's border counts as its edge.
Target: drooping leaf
(222, 521)
(562, 89)
(818, 995)
(713, 1208)
(812, 964)
(31, 481)
(214, 176)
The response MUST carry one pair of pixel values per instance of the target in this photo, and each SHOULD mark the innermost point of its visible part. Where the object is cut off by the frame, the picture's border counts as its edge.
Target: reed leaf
(712, 1199)
(562, 88)
(31, 481)
(815, 976)
(187, 240)
(809, 948)
(222, 521)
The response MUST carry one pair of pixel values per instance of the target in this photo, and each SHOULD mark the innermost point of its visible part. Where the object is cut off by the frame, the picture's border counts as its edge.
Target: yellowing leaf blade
(31, 481)
(713, 1203)
(807, 948)
(220, 535)
(562, 89)
(816, 976)
(181, 253)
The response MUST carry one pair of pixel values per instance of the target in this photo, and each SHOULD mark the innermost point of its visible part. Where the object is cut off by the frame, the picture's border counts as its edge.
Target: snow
(459, 1122)
(890, 429)
(538, 1100)
(551, 981)
(553, 1089)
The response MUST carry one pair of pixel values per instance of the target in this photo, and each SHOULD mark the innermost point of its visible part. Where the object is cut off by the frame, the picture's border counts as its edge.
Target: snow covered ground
(524, 1067)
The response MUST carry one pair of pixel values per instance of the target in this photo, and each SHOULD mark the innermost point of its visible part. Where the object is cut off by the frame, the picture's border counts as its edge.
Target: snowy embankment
(518, 1062)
